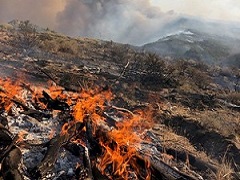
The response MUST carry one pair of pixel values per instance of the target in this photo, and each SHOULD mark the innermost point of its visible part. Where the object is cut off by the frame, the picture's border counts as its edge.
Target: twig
(122, 109)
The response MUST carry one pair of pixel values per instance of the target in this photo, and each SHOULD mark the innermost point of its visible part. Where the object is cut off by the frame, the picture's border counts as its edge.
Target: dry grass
(6, 27)
(170, 139)
(219, 118)
(233, 97)
(225, 171)
(61, 45)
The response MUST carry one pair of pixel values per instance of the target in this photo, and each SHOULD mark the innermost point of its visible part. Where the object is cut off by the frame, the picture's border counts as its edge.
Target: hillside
(197, 45)
(195, 107)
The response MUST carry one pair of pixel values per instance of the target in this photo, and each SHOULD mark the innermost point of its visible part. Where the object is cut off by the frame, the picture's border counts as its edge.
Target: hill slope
(192, 44)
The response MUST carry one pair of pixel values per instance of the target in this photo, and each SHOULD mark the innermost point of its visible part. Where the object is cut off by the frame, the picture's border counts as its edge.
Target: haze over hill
(198, 45)
(134, 22)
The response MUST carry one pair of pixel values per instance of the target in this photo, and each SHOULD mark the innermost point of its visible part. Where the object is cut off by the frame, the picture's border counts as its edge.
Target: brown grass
(225, 171)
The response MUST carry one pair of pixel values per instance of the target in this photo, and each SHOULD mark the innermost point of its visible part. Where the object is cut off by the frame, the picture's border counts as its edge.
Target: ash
(37, 133)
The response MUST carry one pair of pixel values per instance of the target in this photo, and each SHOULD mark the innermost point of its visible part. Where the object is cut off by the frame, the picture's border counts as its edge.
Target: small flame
(21, 135)
(88, 103)
(8, 90)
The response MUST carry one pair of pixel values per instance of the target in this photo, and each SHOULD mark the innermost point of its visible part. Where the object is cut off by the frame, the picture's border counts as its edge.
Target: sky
(213, 9)
(126, 21)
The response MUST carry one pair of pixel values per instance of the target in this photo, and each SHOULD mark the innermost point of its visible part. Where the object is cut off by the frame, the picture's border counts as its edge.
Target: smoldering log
(53, 148)
(53, 103)
(10, 164)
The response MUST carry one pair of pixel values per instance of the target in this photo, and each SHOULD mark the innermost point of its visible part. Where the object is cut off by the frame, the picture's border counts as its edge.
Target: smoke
(126, 21)
(227, 10)
(42, 12)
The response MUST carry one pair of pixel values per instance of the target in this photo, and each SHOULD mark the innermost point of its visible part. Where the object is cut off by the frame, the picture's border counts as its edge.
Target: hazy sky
(214, 9)
(127, 21)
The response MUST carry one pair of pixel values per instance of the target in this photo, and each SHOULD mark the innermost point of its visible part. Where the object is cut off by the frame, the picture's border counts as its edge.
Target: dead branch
(31, 112)
(54, 146)
(53, 103)
(88, 164)
(10, 163)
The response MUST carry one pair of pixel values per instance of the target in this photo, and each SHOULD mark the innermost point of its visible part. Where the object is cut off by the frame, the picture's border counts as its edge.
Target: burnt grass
(211, 142)
(137, 79)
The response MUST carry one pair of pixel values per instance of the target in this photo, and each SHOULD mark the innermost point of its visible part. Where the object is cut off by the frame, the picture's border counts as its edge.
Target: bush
(27, 35)
(151, 71)
(69, 47)
(56, 44)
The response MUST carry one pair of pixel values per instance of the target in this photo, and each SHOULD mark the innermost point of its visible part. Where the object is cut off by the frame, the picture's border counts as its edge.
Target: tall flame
(124, 145)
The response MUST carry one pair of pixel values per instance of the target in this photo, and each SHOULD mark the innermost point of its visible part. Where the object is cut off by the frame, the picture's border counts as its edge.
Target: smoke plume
(133, 21)
(42, 13)
(126, 21)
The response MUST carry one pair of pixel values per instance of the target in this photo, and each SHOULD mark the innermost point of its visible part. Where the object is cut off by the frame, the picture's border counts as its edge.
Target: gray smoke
(126, 21)
(42, 12)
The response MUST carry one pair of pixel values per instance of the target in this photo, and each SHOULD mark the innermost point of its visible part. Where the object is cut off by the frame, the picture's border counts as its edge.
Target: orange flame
(21, 135)
(8, 90)
(87, 104)
(126, 142)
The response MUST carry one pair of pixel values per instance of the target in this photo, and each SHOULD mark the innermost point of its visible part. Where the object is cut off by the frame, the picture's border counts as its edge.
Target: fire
(123, 142)
(21, 135)
(88, 103)
(8, 90)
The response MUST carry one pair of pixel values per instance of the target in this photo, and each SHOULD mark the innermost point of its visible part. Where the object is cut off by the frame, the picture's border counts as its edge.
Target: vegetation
(26, 34)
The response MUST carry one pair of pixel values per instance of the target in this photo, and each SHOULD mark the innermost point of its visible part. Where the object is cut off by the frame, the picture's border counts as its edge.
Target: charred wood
(10, 164)
(9, 147)
(88, 165)
(10, 155)
(166, 170)
(53, 103)
(6, 141)
(193, 161)
(45, 73)
(75, 149)
(31, 112)
(3, 121)
(54, 147)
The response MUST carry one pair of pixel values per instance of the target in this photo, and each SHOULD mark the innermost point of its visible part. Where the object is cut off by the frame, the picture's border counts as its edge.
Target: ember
(56, 131)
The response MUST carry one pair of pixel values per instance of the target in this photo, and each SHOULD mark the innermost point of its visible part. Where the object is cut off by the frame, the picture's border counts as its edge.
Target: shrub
(27, 34)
